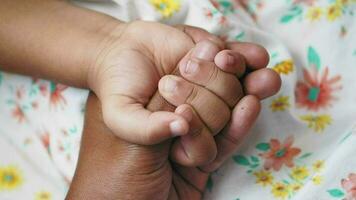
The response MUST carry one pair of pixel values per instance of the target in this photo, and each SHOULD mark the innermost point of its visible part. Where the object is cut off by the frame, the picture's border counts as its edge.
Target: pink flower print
(316, 92)
(18, 114)
(280, 154)
(56, 96)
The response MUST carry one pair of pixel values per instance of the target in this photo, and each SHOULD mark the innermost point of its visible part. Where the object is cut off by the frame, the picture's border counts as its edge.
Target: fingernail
(204, 50)
(185, 112)
(176, 128)
(170, 85)
(192, 67)
(230, 59)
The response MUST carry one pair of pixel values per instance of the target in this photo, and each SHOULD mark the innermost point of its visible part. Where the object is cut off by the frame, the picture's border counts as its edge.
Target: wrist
(105, 37)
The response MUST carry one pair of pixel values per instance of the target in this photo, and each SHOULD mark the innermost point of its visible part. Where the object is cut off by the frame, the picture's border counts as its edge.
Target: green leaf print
(263, 146)
(225, 4)
(255, 159)
(240, 36)
(241, 160)
(10, 102)
(346, 137)
(294, 12)
(336, 193)
(305, 155)
(209, 184)
(287, 18)
(313, 58)
(52, 86)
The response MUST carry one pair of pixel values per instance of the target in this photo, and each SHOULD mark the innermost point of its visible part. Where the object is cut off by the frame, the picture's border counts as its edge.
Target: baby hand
(130, 67)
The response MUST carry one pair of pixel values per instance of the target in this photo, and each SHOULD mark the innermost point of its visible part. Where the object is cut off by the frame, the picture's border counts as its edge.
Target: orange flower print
(45, 139)
(316, 92)
(280, 154)
(208, 13)
(307, 2)
(223, 21)
(349, 186)
(19, 114)
(42, 87)
(56, 96)
(215, 4)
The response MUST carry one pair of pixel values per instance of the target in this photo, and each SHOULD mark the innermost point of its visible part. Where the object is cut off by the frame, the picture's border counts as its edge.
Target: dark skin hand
(110, 168)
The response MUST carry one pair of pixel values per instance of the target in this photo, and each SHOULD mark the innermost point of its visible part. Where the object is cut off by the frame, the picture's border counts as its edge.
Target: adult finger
(198, 146)
(256, 56)
(262, 83)
(243, 117)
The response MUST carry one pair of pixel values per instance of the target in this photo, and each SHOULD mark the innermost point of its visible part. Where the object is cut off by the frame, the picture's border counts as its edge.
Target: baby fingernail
(191, 67)
(185, 112)
(170, 85)
(176, 128)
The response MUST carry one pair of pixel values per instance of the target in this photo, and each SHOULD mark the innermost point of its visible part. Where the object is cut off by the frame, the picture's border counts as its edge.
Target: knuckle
(219, 122)
(196, 131)
(194, 93)
(216, 40)
(236, 92)
(214, 73)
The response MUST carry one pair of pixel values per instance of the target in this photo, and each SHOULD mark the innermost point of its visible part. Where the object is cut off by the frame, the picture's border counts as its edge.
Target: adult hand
(111, 168)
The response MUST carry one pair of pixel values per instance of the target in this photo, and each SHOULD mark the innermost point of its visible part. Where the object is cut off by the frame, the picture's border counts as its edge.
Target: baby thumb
(131, 121)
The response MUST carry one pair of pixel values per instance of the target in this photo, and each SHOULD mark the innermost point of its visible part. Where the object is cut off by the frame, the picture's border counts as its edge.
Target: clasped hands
(169, 110)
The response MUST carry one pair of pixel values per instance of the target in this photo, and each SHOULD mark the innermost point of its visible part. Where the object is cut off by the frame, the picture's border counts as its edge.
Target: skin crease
(90, 44)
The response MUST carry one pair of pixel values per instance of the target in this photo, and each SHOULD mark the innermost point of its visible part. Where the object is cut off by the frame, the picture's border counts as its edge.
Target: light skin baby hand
(130, 69)
(203, 81)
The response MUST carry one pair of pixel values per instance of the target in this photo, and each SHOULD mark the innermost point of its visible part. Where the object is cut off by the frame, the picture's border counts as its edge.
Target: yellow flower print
(10, 178)
(314, 13)
(342, 2)
(317, 180)
(333, 12)
(318, 122)
(295, 187)
(300, 173)
(318, 165)
(263, 177)
(280, 190)
(280, 104)
(284, 67)
(43, 195)
(166, 7)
